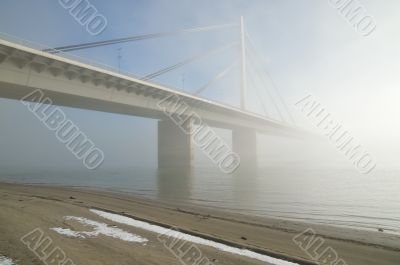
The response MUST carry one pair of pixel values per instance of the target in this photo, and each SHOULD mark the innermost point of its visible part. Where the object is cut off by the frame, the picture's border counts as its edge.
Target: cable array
(248, 57)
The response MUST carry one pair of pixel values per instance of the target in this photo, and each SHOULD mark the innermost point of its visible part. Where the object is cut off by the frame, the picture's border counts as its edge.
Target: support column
(244, 143)
(243, 85)
(174, 146)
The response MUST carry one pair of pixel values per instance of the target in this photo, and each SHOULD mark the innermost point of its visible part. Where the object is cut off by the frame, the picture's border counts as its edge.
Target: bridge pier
(175, 149)
(244, 143)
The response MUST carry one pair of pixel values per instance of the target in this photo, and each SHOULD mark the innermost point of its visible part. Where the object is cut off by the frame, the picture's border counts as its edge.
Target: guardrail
(41, 47)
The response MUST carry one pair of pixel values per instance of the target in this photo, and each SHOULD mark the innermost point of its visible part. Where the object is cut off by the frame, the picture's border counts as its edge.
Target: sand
(24, 208)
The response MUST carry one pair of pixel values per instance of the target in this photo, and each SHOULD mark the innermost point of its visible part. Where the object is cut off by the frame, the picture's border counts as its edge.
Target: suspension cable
(260, 98)
(274, 86)
(216, 78)
(135, 38)
(187, 61)
(259, 75)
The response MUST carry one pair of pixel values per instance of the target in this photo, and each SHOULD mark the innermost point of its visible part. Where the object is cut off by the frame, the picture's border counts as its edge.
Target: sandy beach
(24, 208)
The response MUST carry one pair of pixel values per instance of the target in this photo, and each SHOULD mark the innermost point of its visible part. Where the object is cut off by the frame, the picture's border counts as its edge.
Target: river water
(341, 197)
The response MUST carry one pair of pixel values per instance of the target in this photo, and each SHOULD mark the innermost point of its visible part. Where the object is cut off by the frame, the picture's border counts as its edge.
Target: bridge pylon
(243, 85)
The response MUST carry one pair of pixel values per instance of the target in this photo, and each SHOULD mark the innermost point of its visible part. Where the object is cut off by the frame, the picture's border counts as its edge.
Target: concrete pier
(244, 143)
(175, 149)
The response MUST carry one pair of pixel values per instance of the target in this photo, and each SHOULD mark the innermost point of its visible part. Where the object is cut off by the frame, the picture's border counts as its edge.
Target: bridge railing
(41, 47)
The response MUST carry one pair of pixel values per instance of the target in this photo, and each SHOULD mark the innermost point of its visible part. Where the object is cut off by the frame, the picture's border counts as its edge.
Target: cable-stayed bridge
(76, 82)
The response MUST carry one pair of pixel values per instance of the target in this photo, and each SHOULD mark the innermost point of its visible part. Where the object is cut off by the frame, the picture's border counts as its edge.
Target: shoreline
(220, 209)
(268, 236)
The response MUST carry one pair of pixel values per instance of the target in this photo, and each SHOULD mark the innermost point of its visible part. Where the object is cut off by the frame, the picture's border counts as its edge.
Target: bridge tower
(243, 85)
(175, 149)
(244, 141)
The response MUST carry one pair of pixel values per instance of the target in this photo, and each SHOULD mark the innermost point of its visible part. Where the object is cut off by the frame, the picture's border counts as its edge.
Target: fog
(307, 47)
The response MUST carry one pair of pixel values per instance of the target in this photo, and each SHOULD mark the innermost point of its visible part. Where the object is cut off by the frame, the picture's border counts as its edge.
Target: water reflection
(245, 185)
(175, 183)
(323, 195)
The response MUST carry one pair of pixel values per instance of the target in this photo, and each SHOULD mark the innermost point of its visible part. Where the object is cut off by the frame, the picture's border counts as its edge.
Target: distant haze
(306, 46)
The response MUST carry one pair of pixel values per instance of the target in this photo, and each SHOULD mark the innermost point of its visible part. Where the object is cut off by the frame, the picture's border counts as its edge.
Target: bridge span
(73, 83)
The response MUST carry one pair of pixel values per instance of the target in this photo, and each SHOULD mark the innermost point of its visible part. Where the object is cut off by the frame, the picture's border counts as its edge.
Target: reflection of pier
(245, 186)
(175, 184)
(178, 185)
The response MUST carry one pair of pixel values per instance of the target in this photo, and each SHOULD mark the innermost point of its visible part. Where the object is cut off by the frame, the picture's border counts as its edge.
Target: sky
(306, 46)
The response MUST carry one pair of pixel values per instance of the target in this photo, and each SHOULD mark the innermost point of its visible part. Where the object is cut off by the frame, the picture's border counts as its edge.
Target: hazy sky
(306, 46)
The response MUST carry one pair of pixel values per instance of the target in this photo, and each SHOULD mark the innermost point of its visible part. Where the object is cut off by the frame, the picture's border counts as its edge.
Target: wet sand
(24, 208)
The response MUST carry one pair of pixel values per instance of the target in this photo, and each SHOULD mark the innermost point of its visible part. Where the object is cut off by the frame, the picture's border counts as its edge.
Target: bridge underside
(74, 84)
(175, 148)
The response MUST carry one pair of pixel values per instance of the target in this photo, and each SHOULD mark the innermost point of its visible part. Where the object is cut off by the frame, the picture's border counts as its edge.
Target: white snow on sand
(197, 240)
(6, 261)
(98, 229)
(68, 232)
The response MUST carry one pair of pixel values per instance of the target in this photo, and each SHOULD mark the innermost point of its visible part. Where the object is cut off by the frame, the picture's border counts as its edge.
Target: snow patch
(67, 232)
(98, 229)
(194, 239)
(6, 261)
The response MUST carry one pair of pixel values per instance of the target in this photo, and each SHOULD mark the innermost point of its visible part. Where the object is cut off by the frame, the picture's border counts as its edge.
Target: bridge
(79, 83)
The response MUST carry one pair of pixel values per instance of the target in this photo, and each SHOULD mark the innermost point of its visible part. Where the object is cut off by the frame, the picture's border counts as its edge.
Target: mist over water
(319, 194)
(308, 49)
(299, 179)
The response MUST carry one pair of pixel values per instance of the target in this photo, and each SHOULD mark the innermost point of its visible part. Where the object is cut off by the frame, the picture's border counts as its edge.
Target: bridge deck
(74, 83)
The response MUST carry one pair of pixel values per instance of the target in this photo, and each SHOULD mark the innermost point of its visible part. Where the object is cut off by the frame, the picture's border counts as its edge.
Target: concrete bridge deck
(75, 84)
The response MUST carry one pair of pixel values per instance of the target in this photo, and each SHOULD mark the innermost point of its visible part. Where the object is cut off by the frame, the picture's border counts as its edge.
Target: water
(340, 197)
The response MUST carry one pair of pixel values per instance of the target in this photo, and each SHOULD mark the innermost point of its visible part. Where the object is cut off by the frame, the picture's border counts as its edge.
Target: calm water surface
(320, 195)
